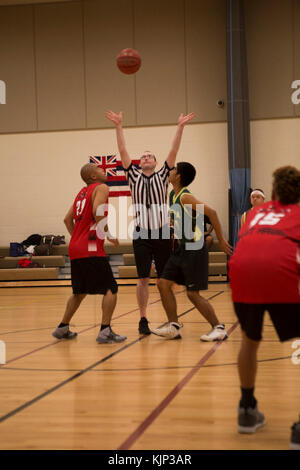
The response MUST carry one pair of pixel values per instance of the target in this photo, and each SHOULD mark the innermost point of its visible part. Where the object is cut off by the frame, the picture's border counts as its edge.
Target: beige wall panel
(60, 70)
(40, 171)
(274, 143)
(108, 28)
(297, 51)
(269, 33)
(206, 58)
(17, 69)
(159, 37)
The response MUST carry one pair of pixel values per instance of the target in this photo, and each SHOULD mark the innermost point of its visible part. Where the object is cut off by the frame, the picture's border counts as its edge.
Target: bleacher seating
(121, 259)
(217, 264)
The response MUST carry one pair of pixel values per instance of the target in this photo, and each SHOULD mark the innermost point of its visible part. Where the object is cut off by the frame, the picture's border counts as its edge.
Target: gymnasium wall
(58, 62)
(40, 172)
(273, 54)
(274, 143)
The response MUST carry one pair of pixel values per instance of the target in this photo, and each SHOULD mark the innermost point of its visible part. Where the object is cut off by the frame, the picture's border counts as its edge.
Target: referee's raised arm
(182, 121)
(117, 120)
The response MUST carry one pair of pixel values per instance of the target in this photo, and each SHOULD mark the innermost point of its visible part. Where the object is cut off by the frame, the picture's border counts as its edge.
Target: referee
(149, 191)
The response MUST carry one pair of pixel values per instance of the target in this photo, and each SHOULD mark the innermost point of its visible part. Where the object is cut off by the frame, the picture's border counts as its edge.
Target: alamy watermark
(2, 353)
(184, 224)
(296, 94)
(2, 92)
(295, 97)
(296, 354)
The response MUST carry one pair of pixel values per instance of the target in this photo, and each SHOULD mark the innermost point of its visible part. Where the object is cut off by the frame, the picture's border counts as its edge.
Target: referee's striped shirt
(149, 196)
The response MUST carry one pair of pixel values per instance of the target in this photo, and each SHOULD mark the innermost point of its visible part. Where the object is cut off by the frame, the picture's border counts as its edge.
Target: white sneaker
(218, 333)
(170, 330)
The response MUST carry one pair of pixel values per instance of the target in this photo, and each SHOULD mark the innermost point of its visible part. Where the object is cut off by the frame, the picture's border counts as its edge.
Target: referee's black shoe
(143, 327)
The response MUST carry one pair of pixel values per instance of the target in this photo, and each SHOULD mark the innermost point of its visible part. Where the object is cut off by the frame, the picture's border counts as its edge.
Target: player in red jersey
(90, 269)
(264, 274)
(257, 197)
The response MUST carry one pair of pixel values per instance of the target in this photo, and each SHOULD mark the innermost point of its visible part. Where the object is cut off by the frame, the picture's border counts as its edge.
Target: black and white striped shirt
(149, 196)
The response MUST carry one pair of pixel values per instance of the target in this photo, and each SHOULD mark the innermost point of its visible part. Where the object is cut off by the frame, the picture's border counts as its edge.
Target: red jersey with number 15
(265, 266)
(84, 242)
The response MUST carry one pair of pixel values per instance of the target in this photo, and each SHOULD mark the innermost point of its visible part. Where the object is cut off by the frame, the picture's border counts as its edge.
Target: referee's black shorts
(188, 268)
(146, 250)
(92, 276)
(285, 318)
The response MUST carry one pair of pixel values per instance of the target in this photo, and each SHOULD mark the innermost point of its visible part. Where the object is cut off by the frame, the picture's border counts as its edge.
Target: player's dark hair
(286, 184)
(187, 173)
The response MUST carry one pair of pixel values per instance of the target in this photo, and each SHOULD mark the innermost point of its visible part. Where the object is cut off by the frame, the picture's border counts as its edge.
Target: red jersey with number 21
(265, 266)
(84, 242)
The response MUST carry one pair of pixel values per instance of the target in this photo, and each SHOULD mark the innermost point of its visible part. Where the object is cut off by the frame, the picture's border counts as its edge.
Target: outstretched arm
(182, 121)
(117, 120)
(189, 199)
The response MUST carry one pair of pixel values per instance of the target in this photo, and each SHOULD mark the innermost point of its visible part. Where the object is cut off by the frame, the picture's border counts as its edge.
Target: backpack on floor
(45, 247)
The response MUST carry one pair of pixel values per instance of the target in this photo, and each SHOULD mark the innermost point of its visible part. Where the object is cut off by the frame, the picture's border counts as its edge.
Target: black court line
(151, 284)
(92, 325)
(2, 366)
(61, 384)
(78, 374)
(70, 285)
(145, 369)
(146, 423)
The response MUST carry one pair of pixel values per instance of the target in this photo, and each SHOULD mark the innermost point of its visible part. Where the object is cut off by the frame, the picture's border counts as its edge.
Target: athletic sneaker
(249, 420)
(143, 327)
(170, 330)
(64, 333)
(295, 438)
(218, 333)
(109, 336)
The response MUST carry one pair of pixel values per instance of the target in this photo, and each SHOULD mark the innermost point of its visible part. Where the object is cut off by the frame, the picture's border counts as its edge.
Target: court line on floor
(78, 374)
(97, 324)
(2, 333)
(135, 435)
(146, 369)
(2, 366)
(61, 384)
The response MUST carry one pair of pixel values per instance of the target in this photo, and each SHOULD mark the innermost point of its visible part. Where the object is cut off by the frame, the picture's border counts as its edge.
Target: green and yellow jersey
(187, 223)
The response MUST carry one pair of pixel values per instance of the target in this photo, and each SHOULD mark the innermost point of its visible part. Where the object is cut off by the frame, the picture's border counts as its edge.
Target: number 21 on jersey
(80, 206)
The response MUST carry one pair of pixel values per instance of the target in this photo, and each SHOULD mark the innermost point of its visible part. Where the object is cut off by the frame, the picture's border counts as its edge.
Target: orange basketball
(129, 61)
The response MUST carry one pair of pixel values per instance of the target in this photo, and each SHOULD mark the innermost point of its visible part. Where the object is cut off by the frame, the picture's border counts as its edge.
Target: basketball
(129, 61)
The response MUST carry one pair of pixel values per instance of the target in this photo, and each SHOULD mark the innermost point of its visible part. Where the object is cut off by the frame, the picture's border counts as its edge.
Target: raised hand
(183, 120)
(113, 117)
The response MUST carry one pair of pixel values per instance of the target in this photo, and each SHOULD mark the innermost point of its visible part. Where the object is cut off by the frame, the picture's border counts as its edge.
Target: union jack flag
(116, 178)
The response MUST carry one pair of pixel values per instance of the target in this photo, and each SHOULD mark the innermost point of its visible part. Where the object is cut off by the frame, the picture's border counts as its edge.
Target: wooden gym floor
(146, 393)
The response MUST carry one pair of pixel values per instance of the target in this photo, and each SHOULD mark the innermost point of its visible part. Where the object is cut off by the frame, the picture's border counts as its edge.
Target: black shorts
(285, 318)
(188, 268)
(147, 250)
(92, 276)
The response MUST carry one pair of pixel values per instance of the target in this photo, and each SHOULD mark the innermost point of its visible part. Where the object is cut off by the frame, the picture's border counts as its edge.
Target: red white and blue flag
(116, 178)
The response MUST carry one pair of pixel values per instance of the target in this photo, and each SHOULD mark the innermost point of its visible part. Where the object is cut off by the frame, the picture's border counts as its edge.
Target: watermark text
(2, 92)
(296, 94)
